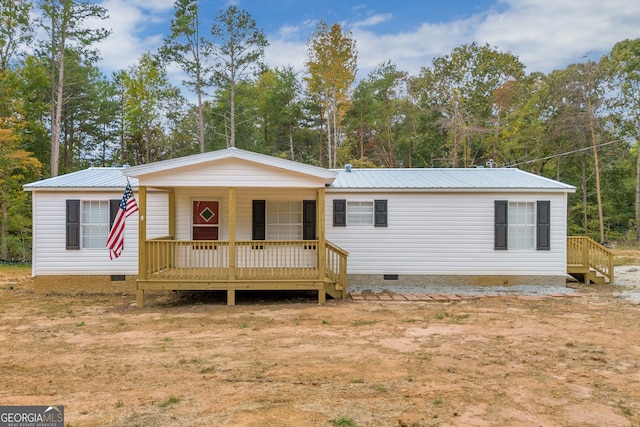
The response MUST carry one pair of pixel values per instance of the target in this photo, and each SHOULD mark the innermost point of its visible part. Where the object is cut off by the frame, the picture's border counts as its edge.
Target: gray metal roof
(480, 179)
(484, 179)
(91, 178)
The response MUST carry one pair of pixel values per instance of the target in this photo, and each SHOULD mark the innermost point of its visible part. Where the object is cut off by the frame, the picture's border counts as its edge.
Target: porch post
(142, 239)
(231, 294)
(172, 213)
(320, 233)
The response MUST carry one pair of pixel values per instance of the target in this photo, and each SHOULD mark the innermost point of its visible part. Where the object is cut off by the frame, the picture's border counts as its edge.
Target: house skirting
(391, 280)
(69, 284)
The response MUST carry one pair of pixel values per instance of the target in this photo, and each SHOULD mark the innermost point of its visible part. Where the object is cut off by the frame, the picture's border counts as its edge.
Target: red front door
(206, 220)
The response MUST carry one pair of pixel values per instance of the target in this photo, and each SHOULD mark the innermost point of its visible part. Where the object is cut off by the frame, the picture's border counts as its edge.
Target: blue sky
(544, 34)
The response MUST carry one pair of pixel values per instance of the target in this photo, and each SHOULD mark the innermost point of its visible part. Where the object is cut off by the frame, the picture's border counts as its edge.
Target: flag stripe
(127, 207)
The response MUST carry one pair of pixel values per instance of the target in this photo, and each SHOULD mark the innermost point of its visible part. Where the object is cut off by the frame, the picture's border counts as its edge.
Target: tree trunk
(638, 189)
(583, 179)
(232, 118)
(597, 167)
(4, 247)
(56, 126)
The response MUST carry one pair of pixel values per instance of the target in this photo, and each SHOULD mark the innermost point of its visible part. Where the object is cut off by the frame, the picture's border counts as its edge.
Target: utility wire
(563, 154)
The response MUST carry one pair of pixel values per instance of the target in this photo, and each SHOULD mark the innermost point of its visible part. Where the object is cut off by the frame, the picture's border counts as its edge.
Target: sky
(544, 34)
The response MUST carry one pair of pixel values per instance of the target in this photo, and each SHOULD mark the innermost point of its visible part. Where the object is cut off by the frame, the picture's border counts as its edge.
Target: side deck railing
(585, 252)
(336, 268)
(252, 260)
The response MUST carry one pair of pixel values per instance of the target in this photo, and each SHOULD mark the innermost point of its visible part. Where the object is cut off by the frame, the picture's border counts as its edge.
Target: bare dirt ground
(189, 360)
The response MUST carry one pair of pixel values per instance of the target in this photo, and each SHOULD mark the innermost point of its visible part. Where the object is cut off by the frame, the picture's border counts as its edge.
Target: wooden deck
(588, 261)
(243, 265)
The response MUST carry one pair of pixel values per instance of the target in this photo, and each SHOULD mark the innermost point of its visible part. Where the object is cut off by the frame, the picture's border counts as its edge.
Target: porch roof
(93, 178)
(204, 159)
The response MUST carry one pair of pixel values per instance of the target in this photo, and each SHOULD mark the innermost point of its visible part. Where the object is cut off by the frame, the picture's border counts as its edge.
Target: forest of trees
(474, 107)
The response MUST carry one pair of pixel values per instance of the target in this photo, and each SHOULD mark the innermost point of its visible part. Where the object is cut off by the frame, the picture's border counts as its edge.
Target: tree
(152, 107)
(15, 164)
(624, 63)
(188, 49)
(15, 29)
(65, 22)
(331, 70)
(458, 89)
(238, 54)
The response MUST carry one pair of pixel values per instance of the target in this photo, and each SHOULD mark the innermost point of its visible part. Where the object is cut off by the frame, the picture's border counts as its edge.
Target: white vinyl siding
(522, 225)
(284, 220)
(49, 229)
(94, 223)
(441, 233)
(359, 212)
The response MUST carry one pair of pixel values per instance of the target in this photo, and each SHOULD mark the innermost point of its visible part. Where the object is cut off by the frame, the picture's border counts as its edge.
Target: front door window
(206, 220)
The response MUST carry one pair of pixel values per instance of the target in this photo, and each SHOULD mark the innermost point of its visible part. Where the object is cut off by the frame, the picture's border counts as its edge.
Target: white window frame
(283, 220)
(94, 223)
(360, 212)
(522, 225)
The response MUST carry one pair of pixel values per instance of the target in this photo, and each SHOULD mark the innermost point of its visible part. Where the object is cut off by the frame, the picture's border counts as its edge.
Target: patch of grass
(625, 410)
(167, 339)
(243, 325)
(380, 388)
(343, 421)
(119, 404)
(325, 321)
(207, 370)
(437, 401)
(441, 315)
(357, 381)
(359, 322)
(78, 325)
(169, 401)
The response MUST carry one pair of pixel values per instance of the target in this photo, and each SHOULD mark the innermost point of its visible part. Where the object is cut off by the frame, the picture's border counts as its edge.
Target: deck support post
(142, 242)
(232, 233)
(140, 298)
(322, 296)
(231, 297)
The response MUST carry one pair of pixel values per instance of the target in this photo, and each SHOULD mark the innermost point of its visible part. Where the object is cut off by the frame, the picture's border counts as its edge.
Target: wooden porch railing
(254, 260)
(583, 252)
(336, 268)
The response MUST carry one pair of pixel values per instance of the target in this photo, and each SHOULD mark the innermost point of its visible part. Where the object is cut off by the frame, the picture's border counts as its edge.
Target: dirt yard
(282, 360)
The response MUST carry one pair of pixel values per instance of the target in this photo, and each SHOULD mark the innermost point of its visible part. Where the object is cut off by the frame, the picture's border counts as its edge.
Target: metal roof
(91, 178)
(480, 179)
(445, 179)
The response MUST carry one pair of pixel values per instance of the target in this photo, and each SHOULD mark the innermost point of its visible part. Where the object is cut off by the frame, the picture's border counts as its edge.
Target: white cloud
(373, 20)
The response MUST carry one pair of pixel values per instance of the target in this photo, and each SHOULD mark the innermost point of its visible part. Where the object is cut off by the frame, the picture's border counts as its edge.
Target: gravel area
(627, 277)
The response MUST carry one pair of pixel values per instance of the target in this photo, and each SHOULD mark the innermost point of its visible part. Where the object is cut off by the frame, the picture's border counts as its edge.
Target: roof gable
(204, 163)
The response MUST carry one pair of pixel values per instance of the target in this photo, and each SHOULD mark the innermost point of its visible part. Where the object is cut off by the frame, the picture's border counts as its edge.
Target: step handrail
(586, 252)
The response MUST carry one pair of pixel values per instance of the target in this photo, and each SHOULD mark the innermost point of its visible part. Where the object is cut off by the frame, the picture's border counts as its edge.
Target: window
(94, 223)
(205, 220)
(284, 220)
(360, 213)
(522, 225)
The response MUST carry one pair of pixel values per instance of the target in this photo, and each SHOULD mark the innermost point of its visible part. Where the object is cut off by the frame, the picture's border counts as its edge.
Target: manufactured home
(237, 220)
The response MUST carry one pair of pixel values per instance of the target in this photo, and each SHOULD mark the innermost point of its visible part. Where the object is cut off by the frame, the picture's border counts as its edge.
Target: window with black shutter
(258, 220)
(543, 225)
(73, 225)
(501, 220)
(340, 213)
(380, 213)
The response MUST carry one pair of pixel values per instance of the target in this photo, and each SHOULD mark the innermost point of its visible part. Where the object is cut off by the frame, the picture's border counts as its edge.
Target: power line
(564, 154)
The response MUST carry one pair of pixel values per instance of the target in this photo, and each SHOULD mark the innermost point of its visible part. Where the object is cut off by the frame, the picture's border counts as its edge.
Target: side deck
(588, 261)
(243, 265)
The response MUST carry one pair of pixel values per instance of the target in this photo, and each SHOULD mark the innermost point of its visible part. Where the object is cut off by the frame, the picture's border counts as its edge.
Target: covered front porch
(236, 221)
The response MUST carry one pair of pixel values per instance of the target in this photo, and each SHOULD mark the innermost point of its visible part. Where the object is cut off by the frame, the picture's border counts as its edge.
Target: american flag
(127, 207)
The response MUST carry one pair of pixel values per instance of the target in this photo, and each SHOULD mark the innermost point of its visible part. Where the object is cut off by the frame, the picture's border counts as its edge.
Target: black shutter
(339, 213)
(501, 219)
(114, 205)
(259, 220)
(543, 225)
(380, 212)
(309, 220)
(73, 224)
